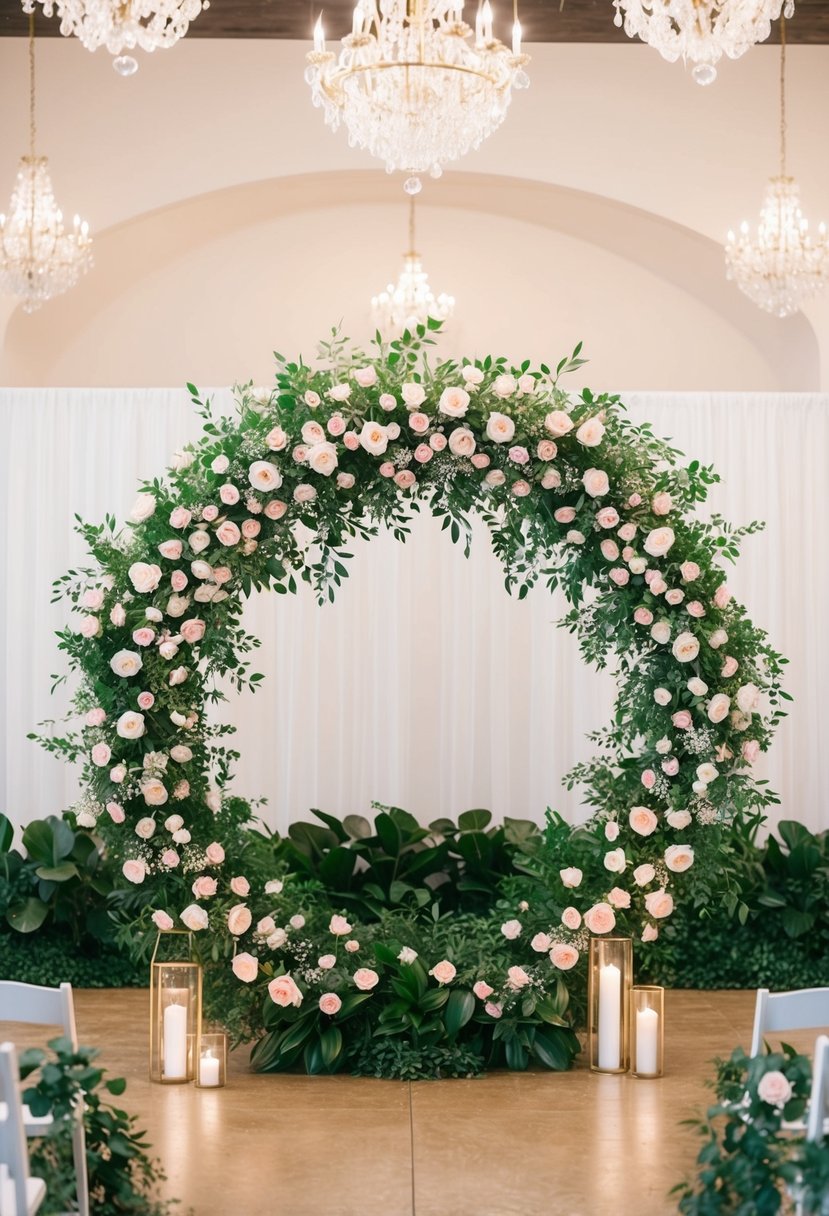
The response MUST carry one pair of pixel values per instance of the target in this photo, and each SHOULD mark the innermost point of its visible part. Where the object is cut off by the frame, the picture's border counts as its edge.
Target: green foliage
(123, 1178)
(749, 1164)
(60, 882)
(397, 1060)
(53, 958)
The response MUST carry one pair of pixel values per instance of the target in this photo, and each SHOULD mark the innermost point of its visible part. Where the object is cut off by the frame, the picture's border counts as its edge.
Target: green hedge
(52, 958)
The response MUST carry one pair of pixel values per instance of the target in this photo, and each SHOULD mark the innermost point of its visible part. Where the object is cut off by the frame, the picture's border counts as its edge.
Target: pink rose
(600, 918)
(419, 423)
(690, 572)
(444, 971)
(335, 425)
(351, 440)
(643, 821)
(251, 528)
(482, 990)
(492, 1009)
(277, 440)
(181, 790)
(345, 481)
(171, 549)
(682, 719)
(405, 479)
(283, 991)
(480, 460)
(178, 580)
(311, 398)
(596, 482)
(674, 596)
(627, 532)
(648, 778)
(215, 854)
(388, 402)
(571, 918)
(634, 500)
(551, 480)
(729, 667)
(511, 929)
(339, 926)
(240, 886)
(650, 933)
(564, 956)
(565, 515)
(192, 630)
(608, 517)
(304, 493)
(558, 423)
(177, 676)
(591, 432)
(239, 919)
(546, 450)
(95, 717)
(619, 898)
(245, 967)
(518, 454)
(662, 504)
(229, 494)
(227, 533)
(520, 488)
(204, 887)
(718, 707)
(143, 636)
(571, 876)
(541, 943)
(644, 874)
(210, 512)
(658, 585)
(118, 773)
(134, 870)
(386, 469)
(670, 767)
(609, 548)
(659, 904)
(679, 858)
(275, 509)
(115, 812)
(330, 1003)
(162, 920)
(495, 477)
(170, 859)
(423, 453)
(517, 978)
(643, 616)
(180, 517)
(620, 576)
(774, 1089)
(695, 609)
(722, 596)
(750, 750)
(366, 979)
(365, 376)
(437, 442)
(101, 753)
(352, 947)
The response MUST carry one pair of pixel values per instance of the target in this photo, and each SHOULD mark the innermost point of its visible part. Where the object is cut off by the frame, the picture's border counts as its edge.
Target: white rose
(659, 541)
(511, 929)
(274, 886)
(144, 577)
(698, 687)
(472, 374)
(615, 861)
(322, 458)
(154, 791)
(663, 745)
(661, 632)
(413, 394)
(718, 707)
(145, 828)
(558, 423)
(264, 476)
(590, 433)
(130, 725)
(454, 402)
(407, 955)
(500, 428)
(638, 565)
(177, 605)
(277, 938)
(182, 459)
(679, 857)
(194, 917)
(596, 482)
(181, 836)
(461, 442)
(678, 819)
(686, 647)
(662, 696)
(373, 438)
(142, 508)
(199, 540)
(173, 823)
(717, 639)
(504, 386)
(707, 773)
(126, 663)
(181, 753)
(220, 464)
(200, 569)
(748, 698)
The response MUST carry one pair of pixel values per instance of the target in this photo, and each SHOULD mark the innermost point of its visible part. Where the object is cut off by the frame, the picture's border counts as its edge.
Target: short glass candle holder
(609, 976)
(212, 1057)
(175, 1008)
(647, 1019)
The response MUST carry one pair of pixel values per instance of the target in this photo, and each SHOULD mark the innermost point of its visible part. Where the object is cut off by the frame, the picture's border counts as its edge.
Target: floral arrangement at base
(751, 1163)
(574, 496)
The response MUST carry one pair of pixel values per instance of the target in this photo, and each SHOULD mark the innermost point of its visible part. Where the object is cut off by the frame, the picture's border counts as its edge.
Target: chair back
(819, 1101)
(40, 1006)
(14, 1154)
(804, 1009)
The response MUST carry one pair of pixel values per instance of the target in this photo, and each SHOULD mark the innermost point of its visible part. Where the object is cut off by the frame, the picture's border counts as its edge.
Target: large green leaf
(459, 1009)
(336, 825)
(58, 873)
(337, 868)
(48, 841)
(311, 839)
(516, 1053)
(474, 821)
(331, 1044)
(27, 915)
(357, 826)
(552, 1049)
(797, 922)
(391, 837)
(475, 848)
(6, 833)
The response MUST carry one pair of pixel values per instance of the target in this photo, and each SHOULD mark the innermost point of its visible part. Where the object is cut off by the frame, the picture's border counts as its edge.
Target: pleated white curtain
(425, 685)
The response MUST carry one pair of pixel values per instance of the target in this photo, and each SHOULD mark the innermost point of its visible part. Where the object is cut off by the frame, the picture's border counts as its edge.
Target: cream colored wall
(228, 220)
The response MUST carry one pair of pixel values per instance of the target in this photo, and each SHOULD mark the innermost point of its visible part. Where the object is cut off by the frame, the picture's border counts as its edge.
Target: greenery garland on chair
(574, 496)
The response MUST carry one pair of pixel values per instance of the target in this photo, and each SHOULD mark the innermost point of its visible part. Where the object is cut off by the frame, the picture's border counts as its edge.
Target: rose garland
(572, 493)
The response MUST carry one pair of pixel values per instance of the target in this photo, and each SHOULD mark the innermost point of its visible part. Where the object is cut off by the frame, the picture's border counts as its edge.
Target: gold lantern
(609, 977)
(211, 1054)
(175, 1007)
(647, 1039)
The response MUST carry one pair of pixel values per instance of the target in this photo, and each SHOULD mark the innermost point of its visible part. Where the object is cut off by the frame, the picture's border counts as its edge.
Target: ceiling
(542, 20)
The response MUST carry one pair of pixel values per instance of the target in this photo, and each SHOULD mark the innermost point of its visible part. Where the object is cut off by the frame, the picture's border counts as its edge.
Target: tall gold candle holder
(647, 1017)
(175, 1008)
(609, 977)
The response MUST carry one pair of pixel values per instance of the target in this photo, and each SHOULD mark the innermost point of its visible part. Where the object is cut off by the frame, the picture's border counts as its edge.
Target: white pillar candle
(174, 1033)
(610, 1018)
(647, 1040)
(208, 1070)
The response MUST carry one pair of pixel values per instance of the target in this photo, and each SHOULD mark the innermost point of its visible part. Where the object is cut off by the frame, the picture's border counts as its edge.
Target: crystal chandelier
(38, 257)
(700, 30)
(780, 266)
(414, 84)
(411, 302)
(123, 25)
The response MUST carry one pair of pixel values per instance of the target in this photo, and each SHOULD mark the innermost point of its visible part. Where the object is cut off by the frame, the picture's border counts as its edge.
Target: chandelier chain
(782, 94)
(32, 126)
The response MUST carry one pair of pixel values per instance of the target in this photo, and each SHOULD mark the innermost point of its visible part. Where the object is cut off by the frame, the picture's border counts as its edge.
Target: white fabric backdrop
(424, 685)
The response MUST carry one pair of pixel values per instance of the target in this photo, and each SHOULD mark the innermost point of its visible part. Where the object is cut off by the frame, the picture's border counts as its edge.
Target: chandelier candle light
(414, 84)
(39, 259)
(701, 31)
(780, 266)
(148, 24)
(411, 302)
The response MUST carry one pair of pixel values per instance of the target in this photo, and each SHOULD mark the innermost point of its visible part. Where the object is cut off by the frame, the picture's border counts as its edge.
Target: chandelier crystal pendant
(123, 25)
(39, 258)
(411, 302)
(414, 84)
(779, 267)
(701, 31)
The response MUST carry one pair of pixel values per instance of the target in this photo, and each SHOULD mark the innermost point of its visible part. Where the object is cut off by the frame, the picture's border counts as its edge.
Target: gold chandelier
(414, 84)
(39, 258)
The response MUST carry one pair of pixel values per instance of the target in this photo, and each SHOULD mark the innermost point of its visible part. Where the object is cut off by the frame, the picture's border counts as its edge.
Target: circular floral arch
(574, 495)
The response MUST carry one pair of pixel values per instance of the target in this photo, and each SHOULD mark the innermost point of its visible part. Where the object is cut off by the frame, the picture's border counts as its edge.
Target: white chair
(49, 1007)
(804, 1009)
(20, 1194)
(817, 1125)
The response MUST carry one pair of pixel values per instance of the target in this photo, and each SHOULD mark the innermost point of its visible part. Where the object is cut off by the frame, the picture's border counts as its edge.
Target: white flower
(144, 577)
(274, 886)
(413, 394)
(659, 541)
(707, 773)
(661, 632)
(407, 955)
(748, 698)
(504, 386)
(718, 707)
(130, 725)
(194, 917)
(220, 464)
(263, 475)
(461, 442)
(679, 857)
(678, 819)
(499, 428)
(686, 647)
(182, 459)
(615, 861)
(596, 482)
(698, 687)
(177, 605)
(145, 828)
(511, 929)
(472, 374)
(663, 745)
(373, 438)
(717, 639)
(591, 432)
(277, 938)
(199, 540)
(173, 823)
(126, 663)
(142, 508)
(454, 402)
(662, 696)
(322, 458)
